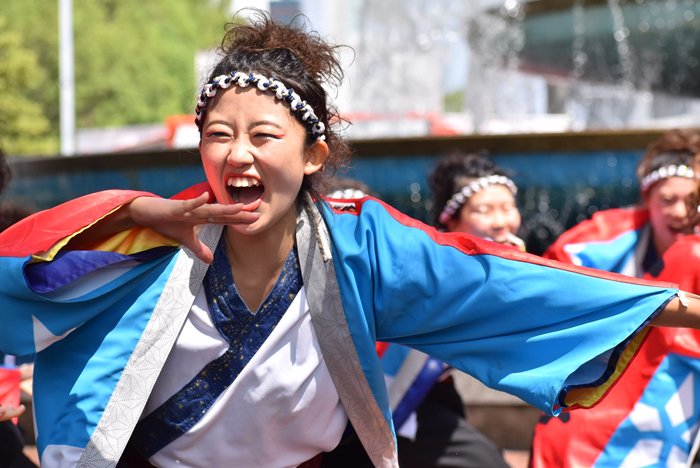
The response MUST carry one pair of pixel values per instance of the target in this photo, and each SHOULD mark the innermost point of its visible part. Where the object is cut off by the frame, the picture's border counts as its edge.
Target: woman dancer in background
(428, 413)
(632, 240)
(638, 424)
(473, 195)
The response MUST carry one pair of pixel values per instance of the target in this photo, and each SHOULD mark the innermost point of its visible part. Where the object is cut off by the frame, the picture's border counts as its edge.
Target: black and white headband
(458, 199)
(664, 173)
(243, 80)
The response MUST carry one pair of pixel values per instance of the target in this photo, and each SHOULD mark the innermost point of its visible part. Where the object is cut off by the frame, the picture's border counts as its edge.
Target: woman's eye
(268, 136)
(216, 135)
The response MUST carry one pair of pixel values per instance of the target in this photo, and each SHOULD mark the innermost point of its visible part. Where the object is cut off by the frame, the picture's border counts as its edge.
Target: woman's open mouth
(680, 231)
(246, 190)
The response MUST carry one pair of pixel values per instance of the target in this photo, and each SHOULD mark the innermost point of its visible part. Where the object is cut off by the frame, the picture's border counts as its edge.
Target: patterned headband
(264, 84)
(666, 172)
(458, 199)
(347, 194)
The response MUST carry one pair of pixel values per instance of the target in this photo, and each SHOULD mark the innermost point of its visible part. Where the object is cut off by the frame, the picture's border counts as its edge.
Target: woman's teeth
(242, 182)
(235, 184)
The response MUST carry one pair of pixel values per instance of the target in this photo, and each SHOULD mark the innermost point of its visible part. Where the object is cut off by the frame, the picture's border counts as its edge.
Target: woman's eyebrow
(220, 122)
(265, 122)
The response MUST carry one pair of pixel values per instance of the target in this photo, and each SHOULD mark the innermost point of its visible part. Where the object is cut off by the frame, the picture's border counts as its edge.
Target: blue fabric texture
(21, 306)
(610, 255)
(74, 378)
(67, 266)
(517, 326)
(245, 332)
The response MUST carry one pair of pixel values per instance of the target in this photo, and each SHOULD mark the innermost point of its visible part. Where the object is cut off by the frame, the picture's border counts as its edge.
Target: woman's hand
(7, 413)
(180, 219)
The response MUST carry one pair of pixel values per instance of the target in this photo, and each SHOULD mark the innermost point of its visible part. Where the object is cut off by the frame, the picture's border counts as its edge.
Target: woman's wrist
(119, 220)
(128, 214)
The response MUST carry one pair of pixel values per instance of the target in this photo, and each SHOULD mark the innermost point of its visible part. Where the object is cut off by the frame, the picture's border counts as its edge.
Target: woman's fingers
(241, 218)
(222, 214)
(151, 212)
(211, 210)
(154, 212)
(187, 206)
(199, 249)
(9, 412)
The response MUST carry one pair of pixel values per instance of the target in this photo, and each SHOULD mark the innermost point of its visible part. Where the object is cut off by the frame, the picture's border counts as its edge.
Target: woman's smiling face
(666, 201)
(490, 213)
(253, 152)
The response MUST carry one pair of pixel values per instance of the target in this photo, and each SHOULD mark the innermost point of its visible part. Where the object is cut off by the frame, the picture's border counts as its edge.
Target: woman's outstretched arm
(680, 315)
(177, 219)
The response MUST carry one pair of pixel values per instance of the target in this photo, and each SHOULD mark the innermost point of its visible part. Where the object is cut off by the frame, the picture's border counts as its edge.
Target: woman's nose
(679, 210)
(240, 154)
(499, 218)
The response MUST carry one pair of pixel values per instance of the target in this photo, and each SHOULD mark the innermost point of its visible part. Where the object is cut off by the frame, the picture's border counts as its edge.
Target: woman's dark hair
(5, 173)
(11, 213)
(301, 60)
(452, 173)
(675, 147)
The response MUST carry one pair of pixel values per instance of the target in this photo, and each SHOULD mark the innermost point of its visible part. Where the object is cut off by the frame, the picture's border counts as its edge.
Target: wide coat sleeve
(82, 312)
(555, 335)
(48, 291)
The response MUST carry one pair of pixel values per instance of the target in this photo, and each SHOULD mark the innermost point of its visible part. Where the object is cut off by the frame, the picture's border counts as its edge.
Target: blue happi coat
(102, 321)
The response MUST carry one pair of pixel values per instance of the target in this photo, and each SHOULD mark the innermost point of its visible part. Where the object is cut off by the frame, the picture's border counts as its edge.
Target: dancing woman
(235, 324)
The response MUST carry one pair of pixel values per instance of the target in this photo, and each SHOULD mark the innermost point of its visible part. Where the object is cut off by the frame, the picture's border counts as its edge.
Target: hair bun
(262, 34)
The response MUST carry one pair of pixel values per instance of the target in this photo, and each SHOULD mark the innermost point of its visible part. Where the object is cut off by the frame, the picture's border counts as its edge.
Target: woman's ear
(315, 157)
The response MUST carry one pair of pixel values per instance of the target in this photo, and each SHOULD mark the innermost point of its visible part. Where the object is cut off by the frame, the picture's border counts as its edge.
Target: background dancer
(637, 421)
(427, 412)
(252, 340)
(473, 195)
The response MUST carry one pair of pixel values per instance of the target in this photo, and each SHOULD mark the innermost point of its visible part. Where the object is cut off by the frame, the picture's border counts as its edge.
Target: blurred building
(450, 67)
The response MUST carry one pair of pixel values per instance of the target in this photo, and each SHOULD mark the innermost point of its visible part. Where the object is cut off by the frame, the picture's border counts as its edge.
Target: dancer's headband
(458, 199)
(666, 172)
(264, 84)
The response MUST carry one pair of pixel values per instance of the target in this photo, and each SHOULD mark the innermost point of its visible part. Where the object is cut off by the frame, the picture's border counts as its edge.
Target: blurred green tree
(24, 126)
(134, 59)
(454, 101)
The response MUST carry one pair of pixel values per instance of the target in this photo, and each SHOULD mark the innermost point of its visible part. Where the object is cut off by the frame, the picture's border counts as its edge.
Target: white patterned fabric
(365, 414)
(136, 382)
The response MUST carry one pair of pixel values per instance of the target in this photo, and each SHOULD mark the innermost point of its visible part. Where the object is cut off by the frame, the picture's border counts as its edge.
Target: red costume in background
(650, 417)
